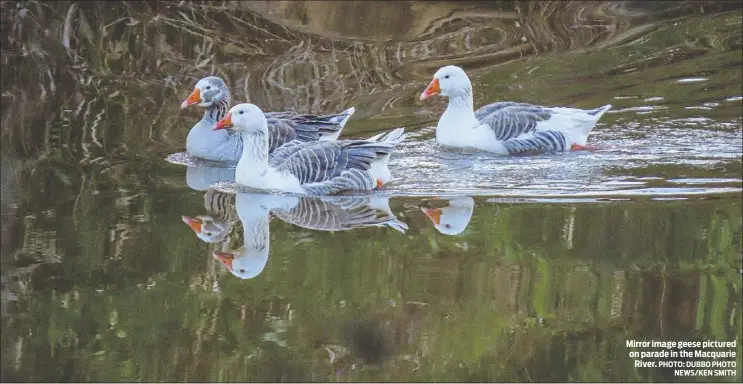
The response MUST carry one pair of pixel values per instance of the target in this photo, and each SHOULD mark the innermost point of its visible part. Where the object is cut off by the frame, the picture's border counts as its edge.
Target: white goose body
(506, 128)
(318, 168)
(283, 127)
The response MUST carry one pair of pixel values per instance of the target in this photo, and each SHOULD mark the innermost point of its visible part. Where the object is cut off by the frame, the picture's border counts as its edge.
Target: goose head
(451, 220)
(449, 81)
(208, 91)
(207, 228)
(244, 118)
(244, 262)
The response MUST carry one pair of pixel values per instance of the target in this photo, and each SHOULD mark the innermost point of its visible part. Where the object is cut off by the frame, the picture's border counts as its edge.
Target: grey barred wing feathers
(322, 160)
(316, 162)
(351, 179)
(221, 205)
(542, 141)
(280, 154)
(318, 214)
(287, 126)
(488, 109)
(511, 121)
(280, 132)
(328, 167)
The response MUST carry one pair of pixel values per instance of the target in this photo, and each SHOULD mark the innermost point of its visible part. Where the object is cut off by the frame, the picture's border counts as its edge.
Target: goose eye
(208, 87)
(446, 77)
(242, 271)
(447, 225)
(241, 112)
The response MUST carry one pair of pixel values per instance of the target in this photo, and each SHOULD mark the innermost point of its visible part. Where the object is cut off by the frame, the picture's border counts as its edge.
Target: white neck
(254, 160)
(255, 228)
(254, 213)
(459, 115)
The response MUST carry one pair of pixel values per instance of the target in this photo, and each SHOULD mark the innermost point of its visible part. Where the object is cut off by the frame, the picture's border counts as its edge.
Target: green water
(551, 264)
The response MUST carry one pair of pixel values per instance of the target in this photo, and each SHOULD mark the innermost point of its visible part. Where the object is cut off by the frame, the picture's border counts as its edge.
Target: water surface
(483, 268)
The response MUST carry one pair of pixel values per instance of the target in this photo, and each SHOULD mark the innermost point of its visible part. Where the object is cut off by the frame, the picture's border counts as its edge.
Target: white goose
(324, 214)
(320, 167)
(212, 93)
(506, 128)
(451, 220)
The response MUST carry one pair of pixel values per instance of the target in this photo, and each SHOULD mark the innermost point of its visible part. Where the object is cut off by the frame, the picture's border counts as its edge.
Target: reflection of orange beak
(433, 89)
(195, 224)
(224, 258)
(433, 213)
(194, 98)
(225, 123)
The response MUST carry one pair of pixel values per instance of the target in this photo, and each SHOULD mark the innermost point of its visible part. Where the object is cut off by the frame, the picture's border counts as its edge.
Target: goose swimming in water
(318, 168)
(283, 127)
(506, 128)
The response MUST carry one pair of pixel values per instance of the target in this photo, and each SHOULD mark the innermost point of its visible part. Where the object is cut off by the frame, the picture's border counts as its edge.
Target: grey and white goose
(254, 211)
(506, 128)
(316, 168)
(213, 94)
(219, 220)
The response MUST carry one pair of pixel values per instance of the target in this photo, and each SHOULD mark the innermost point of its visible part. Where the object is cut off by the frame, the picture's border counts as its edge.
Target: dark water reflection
(530, 268)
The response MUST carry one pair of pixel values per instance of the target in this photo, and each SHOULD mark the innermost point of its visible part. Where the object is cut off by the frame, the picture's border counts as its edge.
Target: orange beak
(224, 258)
(434, 214)
(225, 123)
(433, 89)
(195, 224)
(193, 98)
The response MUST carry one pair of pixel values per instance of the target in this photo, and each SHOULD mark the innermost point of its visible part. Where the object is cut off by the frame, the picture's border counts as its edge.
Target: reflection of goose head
(452, 220)
(253, 210)
(216, 224)
(245, 262)
(207, 228)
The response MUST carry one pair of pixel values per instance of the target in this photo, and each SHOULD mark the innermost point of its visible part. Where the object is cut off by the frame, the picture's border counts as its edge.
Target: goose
(219, 220)
(453, 219)
(317, 168)
(254, 209)
(213, 94)
(506, 128)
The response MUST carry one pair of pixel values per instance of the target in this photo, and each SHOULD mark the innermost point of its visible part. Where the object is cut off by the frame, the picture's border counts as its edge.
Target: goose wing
(510, 120)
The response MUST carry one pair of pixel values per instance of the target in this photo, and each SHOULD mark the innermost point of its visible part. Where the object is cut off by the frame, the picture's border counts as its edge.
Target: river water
(466, 267)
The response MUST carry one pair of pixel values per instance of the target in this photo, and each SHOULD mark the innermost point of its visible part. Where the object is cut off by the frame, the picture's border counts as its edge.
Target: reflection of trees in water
(454, 313)
(133, 50)
(134, 56)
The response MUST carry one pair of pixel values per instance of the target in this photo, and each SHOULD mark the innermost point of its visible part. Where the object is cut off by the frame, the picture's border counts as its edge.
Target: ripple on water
(183, 158)
(649, 157)
(692, 80)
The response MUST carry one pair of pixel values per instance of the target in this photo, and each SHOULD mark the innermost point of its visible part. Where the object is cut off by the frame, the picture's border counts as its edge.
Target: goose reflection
(201, 178)
(454, 218)
(220, 218)
(337, 213)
